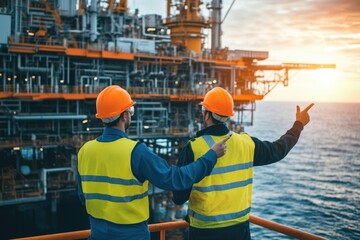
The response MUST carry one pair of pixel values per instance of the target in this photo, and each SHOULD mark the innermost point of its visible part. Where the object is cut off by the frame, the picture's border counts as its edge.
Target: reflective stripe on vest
(213, 201)
(219, 218)
(111, 190)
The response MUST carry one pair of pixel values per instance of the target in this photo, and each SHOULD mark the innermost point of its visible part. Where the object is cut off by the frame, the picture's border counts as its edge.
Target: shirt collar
(215, 130)
(111, 134)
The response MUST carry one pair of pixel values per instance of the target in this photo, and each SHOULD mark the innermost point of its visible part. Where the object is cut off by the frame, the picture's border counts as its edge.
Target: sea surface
(316, 187)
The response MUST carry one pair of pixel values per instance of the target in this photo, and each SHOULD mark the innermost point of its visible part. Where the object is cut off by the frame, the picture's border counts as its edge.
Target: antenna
(227, 12)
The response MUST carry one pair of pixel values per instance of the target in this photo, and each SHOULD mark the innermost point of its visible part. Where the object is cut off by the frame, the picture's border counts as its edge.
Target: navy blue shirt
(146, 165)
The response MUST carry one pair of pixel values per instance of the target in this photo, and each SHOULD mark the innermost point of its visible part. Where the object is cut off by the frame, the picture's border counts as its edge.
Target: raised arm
(303, 116)
(270, 152)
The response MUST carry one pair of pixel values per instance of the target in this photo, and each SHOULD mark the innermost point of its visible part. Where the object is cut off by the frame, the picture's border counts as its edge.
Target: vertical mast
(216, 26)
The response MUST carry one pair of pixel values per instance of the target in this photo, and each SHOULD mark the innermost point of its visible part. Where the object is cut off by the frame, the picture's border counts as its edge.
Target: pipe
(152, 108)
(44, 116)
(16, 21)
(216, 26)
(4, 75)
(93, 21)
(152, 35)
(168, 8)
(45, 171)
(105, 71)
(92, 82)
(232, 80)
(83, 22)
(32, 69)
(228, 68)
(68, 71)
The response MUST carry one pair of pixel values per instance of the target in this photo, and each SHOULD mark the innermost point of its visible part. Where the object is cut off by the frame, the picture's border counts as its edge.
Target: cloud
(276, 24)
(313, 31)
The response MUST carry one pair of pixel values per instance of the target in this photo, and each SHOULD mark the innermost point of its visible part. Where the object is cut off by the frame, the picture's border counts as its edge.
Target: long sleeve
(186, 157)
(146, 165)
(271, 152)
(79, 187)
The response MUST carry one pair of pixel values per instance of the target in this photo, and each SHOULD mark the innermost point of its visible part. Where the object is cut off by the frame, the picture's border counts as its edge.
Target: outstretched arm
(146, 165)
(186, 157)
(270, 152)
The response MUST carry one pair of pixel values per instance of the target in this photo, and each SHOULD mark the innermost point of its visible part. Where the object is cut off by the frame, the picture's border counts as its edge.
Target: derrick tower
(186, 24)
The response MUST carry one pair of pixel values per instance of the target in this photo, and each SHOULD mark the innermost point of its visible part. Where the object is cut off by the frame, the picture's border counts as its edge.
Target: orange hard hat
(219, 101)
(112, 101)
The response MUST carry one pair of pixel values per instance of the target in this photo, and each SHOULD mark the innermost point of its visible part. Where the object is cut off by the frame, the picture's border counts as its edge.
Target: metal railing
(162, 227)
(95, 89)
(52, 180)
(181, 93)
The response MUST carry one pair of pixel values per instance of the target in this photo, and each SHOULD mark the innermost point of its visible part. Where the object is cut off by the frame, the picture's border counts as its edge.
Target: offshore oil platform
(57, 55)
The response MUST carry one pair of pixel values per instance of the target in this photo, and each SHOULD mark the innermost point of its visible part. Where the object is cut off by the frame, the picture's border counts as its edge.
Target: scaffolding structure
(57, 55)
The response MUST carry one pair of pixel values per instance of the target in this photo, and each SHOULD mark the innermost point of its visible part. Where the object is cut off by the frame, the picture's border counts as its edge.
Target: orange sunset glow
(311, 31)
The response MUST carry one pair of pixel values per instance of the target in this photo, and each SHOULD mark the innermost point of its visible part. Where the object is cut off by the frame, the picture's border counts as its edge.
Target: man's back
(211, 202)
(108, 183)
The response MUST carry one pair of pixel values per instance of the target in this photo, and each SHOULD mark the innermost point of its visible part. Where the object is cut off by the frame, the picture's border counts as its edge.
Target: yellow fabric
(108, 198)
(232, 205)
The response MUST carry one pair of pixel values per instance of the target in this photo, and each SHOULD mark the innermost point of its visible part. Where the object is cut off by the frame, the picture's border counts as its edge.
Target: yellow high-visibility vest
(224, 197)
(110, 188)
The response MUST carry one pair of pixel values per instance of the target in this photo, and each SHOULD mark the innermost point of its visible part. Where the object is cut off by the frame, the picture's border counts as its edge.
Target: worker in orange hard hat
(114, 172)
(220, 103)
(219, 205)
(112, 101)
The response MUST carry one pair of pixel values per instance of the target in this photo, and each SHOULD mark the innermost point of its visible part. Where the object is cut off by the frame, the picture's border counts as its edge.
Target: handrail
(84, 234)
(67, 92)
(280, 228)
(162, 227)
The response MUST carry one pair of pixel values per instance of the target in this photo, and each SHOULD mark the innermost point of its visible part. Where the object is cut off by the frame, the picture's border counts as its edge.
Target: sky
(299, 31)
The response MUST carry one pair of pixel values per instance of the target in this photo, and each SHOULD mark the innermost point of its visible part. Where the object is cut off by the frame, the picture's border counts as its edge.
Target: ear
(207, 115)
(123, 117)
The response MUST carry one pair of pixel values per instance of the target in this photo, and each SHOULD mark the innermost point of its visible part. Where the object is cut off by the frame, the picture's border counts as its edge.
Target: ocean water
(316, 187)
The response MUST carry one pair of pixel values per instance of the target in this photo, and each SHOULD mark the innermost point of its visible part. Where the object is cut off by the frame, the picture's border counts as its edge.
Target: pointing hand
(220, 147)
(303, 116)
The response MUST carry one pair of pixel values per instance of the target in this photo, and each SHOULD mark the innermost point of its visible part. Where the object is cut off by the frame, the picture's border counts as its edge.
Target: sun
(325, 77)
(324, 85)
